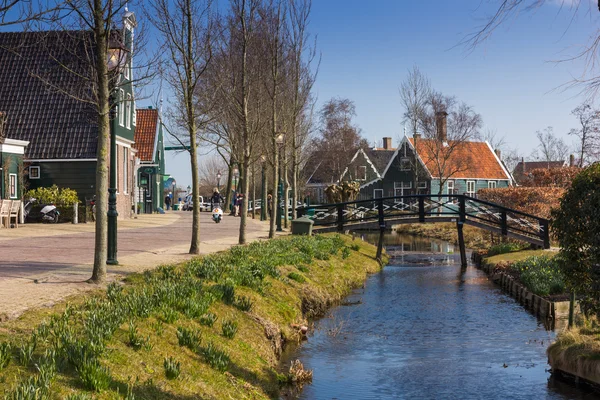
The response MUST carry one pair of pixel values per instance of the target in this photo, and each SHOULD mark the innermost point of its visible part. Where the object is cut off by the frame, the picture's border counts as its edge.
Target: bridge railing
(422, 208)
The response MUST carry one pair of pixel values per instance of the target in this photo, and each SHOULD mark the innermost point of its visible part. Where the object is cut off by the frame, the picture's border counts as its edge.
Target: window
(450, 187)
(361, 173)
(405, 164)
(128, 111)
(34, 172)
(402, 189)
(12, 186)
(470, 188)
(126, 71)
(492, 184)
(125, 168)
(120, 107)
(377, 193)
(422, 185)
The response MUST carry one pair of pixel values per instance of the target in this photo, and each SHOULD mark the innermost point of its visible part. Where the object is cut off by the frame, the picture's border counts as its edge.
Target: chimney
(442, 128)
(523, 164)
(387, 143)
(572, 160)
(417, 136)
(499, 154)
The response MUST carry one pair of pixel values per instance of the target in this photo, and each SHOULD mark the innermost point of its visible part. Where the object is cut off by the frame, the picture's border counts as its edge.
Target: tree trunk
(228, 197)
(286, 194)
(275, 195)
(294, 182)
(253, 191)
(101, 233)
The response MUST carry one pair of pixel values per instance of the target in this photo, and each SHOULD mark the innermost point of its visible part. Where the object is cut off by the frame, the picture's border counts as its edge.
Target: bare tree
(414, 94)
(447, 126)
(496, 141)
(208, 170)
(550, 147)
(187, 40)
(588, 133)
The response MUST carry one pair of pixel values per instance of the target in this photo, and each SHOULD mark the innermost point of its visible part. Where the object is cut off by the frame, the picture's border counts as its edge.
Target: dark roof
(380, 158)
(146, 121)
(32, 93)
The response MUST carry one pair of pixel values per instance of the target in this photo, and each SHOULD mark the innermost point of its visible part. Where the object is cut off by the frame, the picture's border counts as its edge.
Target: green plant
(503, 248)
(540, 274)
(169, 315)
(172, 368)
(78, 396)
(5, 354)
(159, 327)
(303, 268)
(296, 277)
(93, 376)
(188, 338)
(215, 357)
(61, 197)
(243, 303)
(208, 319)
(355, 247)
(135, 340)
(345, 252)
(229, 328)
(25, 352)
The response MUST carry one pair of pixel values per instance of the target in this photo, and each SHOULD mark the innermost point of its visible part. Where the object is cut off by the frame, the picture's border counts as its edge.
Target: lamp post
(173, 194)
(263, 200)
(189, 189)
(279, 140)
(236, 174)
(219, 181)
(116, 59)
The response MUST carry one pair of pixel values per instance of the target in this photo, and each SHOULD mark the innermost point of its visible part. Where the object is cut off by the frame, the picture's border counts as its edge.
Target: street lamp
(236, 174)
(189, 188)
(219, 181)
(173, 194)
(279, 140)
(263, 200)
(116, 57)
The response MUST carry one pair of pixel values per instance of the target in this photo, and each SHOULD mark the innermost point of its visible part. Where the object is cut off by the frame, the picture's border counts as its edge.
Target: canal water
(424, 328)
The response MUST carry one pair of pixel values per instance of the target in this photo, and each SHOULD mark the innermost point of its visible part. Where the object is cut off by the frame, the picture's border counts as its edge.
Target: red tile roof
(468, 159)
(145, 133)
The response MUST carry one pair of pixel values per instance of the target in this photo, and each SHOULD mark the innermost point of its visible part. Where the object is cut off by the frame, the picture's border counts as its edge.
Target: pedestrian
(238, 205)
(269, 204)
(168, 202)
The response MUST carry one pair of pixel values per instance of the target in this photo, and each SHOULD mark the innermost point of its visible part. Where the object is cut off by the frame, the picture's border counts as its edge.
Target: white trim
(16, 186)
(121, 108)
(508, 175)
(363, 175)
(366, 158)
(31, 167)
(124, 142)
(13, 149)
(474, 187)
(473, 179)
(400, 146)
(62, 160)
(421, 187)
(375, 190)
(158, 125)
(128, 111)
(490, 184)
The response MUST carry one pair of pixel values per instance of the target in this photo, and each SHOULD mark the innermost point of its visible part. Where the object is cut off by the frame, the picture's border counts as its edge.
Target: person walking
(168, 202)
(269, 205)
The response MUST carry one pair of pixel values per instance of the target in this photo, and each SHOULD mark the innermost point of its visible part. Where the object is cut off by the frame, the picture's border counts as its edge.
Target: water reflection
(424, 328)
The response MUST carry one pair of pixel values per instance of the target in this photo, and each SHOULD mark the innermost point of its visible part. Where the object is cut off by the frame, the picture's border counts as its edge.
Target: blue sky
(511, 80)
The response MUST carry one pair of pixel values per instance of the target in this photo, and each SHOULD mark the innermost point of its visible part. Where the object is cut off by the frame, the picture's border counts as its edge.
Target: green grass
(92, 344)
(517, 256)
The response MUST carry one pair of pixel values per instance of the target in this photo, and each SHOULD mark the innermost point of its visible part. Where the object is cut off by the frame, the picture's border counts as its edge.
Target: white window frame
(402, 187)
(375, 193)
(34, 168)
(126, 70)
(12, 184)
(492, 184)
(402, 160)
(471, 193)
(422, 185)
(450, 187)
(120, 107)
(361, 173)
(128, 112)
(125, 170)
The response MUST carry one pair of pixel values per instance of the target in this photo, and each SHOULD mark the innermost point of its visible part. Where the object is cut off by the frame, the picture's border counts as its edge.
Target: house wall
(460, 185)
(77, 175)
(353, 172)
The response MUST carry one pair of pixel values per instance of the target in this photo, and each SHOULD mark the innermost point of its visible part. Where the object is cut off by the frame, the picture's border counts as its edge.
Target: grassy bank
(476, 239)
(211, 328)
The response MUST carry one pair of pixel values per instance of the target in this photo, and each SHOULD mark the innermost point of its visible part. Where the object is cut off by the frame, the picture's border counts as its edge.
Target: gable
(146, 133)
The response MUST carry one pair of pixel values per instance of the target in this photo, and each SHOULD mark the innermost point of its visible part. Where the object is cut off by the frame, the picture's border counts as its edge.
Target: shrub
(345, 252)
(296, 277)
(188, 338)
(93, 376)
(355, 247)
(169, 315)
(172, 368)
(541, 275)
(229, 328)
(136, 341)
(61, 197)
(243, 303)
(503, 248)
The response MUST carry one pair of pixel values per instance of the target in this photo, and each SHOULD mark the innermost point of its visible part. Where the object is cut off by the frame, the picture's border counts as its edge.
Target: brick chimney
(572, 160)
(387, 143)
(442, 128)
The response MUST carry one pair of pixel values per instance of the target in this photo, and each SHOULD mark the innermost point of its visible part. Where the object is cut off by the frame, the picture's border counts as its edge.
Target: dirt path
(41, 264)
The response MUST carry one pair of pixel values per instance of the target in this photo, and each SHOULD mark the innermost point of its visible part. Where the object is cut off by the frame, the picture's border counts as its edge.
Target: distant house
(11, 164)
(413, 168)
(149, 143)
(524, 168)
(42, 83)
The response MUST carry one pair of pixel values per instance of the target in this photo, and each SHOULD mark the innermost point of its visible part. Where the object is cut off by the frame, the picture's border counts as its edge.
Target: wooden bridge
(384, 212)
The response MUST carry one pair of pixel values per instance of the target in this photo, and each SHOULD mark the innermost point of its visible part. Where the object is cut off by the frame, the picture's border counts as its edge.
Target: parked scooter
(217, 214)
(48, 213)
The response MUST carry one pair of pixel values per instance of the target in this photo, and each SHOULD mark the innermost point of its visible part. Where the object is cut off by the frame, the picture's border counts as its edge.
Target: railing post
(380, 213)
(504, 225)
(340, 217)
(378, 256)
(421, 209)
(462, 213)
(545, 232)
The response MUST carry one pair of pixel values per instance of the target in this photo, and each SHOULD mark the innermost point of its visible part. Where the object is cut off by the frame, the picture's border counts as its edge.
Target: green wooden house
(149, 143)
(48, 102)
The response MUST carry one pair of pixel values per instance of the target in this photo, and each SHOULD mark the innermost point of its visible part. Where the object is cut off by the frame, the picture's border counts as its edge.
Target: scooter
(48, 213)
(217, 214)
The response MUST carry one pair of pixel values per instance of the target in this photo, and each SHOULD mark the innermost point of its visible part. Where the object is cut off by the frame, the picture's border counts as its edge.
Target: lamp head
(263, 158)
(279, 138)
(116, 55)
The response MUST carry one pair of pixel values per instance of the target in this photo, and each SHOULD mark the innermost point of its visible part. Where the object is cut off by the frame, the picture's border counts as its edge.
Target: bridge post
(504, 225)
(421, 209)
(462, 212)
(340, 217)
(461, 244)
(546, 233)
(381, 230)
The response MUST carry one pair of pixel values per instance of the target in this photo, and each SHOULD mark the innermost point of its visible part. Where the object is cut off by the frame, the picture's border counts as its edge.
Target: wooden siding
(77, 175)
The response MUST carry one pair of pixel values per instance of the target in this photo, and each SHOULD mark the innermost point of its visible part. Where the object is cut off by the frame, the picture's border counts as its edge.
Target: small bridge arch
(384, 212)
